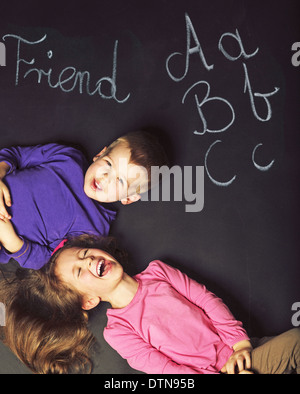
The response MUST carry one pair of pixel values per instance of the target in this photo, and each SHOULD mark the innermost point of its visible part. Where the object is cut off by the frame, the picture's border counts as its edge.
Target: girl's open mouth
(103, 267)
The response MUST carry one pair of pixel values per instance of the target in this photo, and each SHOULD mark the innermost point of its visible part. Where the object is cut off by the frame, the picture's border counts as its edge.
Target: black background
(244, 244)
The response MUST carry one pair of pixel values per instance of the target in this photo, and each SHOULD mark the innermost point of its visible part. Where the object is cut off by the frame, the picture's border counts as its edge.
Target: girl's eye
(78, 273)
(83, 254)
(108, 163)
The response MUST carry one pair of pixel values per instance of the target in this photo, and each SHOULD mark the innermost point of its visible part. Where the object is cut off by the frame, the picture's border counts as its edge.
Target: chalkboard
(218, 82)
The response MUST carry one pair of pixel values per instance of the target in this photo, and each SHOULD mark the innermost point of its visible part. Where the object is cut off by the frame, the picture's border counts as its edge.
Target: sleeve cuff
(238, 339)
(20, 252)
(11, 166)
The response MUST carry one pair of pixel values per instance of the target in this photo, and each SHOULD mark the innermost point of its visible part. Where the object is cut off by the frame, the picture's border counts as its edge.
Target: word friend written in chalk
(69, 78)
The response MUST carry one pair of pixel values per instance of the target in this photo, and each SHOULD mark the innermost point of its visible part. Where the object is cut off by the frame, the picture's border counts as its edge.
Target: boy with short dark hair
(55, 194)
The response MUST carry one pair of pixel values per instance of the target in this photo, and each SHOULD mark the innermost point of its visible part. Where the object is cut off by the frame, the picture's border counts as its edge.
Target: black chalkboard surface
(218, 81)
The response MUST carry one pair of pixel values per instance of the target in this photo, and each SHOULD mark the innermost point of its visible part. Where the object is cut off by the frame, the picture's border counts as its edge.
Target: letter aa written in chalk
(190, 33)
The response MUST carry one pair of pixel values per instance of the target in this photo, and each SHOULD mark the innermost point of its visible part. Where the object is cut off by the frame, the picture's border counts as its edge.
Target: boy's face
(92, 273)
(111, 177)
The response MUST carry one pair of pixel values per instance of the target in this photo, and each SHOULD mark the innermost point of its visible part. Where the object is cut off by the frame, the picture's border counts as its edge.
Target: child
(36, 328)
(55, 194)
(161, 321)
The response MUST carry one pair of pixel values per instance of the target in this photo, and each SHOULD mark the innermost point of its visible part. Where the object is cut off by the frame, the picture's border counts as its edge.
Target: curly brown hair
(45, 325)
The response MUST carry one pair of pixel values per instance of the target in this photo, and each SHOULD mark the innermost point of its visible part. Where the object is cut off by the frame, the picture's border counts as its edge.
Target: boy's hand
(9, 238)
(240, 360)
(4, 192)
(5, 200)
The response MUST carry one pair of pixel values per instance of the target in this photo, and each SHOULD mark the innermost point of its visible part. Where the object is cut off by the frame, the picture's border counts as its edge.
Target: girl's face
(91, 272)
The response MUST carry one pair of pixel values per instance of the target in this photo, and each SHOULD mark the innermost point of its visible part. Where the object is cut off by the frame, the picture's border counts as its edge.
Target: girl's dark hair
(45, 325)
(90, 241)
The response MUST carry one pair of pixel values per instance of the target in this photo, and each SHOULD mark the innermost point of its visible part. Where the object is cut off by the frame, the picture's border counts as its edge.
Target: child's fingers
(6, 195)
(4, 200)
(3, 214)
(230, 367)
(248, 360)
(240, 364)
(243, 361)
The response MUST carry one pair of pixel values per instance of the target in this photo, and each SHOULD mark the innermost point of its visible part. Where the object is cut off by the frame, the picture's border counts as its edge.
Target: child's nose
(104, 178)
(85, 264)
(108, 179)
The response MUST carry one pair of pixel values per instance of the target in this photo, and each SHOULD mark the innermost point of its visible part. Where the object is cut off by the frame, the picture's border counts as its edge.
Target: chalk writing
(261, 168)
(189, 51)
(263, 95)
(200, 102)
(208, 173)
(205, 100)
(69, 78)
(238, 39)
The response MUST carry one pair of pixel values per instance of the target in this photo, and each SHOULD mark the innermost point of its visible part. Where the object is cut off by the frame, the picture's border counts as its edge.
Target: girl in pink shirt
(161, 321)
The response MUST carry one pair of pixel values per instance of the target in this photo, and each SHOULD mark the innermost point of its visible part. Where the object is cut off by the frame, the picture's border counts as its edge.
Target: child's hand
(9, 238)
(240, 360)
(5, 200)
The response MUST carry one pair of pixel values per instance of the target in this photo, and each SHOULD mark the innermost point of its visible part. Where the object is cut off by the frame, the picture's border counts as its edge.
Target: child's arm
(229, 329)
(19, 158)
(8, 237)
(141, 355)
(27, 253)
(31, 254)
(30, 156)
(4, 192)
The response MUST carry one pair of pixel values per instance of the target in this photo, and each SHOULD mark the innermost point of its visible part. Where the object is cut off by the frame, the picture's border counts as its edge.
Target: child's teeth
(99, 267)
(98, 185)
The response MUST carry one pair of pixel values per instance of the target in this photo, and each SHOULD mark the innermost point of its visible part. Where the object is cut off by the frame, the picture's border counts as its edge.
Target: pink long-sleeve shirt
(173, 325)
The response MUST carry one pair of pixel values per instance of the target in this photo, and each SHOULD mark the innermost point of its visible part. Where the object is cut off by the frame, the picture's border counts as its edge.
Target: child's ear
(130, 199)
(100, 153)
(90, 303)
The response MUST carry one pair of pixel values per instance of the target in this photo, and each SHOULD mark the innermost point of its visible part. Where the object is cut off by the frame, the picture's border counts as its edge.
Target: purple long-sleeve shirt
(48, 201)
